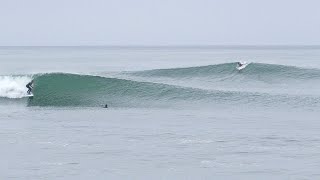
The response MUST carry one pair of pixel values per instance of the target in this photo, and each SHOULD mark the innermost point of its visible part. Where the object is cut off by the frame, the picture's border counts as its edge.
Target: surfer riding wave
(241, 64)
(29, 86)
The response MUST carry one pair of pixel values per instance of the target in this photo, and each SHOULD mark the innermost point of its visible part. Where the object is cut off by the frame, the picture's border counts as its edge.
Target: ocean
(173, 113)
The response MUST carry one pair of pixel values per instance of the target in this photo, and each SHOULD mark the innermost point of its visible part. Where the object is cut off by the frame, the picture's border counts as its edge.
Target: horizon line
(196, 45)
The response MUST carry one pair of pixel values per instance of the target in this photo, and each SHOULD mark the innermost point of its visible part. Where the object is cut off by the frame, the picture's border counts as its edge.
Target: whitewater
(173, 113)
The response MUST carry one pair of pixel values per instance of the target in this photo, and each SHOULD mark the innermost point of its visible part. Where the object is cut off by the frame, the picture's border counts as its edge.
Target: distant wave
(253, 70)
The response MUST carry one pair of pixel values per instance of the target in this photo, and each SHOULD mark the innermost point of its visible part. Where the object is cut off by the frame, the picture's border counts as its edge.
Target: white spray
(14, 86)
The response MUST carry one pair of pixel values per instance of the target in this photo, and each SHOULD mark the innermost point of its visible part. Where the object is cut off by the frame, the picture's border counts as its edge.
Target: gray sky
(159, 22)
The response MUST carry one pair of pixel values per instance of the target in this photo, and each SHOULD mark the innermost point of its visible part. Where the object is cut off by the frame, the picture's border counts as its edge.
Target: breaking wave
(64, 89)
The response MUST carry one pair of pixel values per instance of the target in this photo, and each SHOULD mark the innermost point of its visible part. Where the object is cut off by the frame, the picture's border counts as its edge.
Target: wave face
(75, 90)
(85, 90)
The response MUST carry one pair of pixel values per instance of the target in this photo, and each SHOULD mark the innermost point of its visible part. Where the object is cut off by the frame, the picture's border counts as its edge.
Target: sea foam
(13, 86)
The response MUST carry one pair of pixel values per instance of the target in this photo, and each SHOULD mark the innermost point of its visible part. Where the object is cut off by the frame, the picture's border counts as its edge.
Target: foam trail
(13, 86)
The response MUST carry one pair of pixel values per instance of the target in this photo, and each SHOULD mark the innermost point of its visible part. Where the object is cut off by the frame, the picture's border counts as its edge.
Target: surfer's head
(106, 106)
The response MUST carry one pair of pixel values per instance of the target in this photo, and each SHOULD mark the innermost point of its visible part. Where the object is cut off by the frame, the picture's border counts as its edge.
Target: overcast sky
(159, 22)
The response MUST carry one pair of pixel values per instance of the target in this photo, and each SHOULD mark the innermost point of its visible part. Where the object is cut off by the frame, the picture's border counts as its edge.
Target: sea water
(173, 113)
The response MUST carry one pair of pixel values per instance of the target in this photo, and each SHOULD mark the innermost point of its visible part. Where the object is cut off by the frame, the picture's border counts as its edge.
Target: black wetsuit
(29, 86)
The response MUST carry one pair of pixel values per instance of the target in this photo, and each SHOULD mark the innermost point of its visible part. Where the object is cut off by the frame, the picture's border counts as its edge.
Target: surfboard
(245, 64)
(30, 95)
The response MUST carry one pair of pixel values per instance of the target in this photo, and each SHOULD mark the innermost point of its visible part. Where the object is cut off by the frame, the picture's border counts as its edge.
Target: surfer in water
(29, 86)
